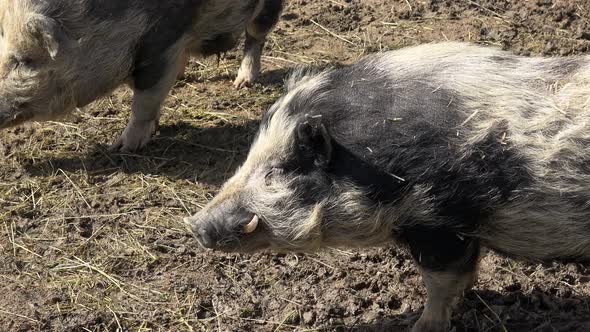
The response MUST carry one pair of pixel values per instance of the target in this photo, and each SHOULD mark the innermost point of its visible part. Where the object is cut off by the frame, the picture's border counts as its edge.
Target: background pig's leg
(152, 84)
(256, 32)
(448, 264)
(182, 63)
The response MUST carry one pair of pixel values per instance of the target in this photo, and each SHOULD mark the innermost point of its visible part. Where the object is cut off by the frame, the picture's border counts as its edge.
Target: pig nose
(202, 232)
(204, 237)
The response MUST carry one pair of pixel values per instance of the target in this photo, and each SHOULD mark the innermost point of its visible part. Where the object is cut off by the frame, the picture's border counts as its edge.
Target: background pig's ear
(314, 142)
(47, 31)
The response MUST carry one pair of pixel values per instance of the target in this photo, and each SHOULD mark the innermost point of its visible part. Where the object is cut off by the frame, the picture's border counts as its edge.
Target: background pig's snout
(6, 114)
(13, 113)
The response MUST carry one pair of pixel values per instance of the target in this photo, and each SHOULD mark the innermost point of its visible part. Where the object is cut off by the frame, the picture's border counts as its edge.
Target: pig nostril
(203, 237)
(203, 234)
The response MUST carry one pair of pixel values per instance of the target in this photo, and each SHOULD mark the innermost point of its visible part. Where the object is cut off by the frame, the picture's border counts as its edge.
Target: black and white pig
(56, 55)
(445, 149)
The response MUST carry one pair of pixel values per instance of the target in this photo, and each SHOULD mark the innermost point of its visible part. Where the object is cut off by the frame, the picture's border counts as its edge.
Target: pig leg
(444, 290)
(256, 32)
(151, 87)
(182, 63)
(448, 264)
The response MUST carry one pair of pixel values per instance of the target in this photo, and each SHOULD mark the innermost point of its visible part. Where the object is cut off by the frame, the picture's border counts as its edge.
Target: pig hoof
(430, 326)
(244, 80)
(134, 137)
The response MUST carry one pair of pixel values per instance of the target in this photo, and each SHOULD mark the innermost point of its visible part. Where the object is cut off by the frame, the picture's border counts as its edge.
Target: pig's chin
(247, 244)
(15, 119)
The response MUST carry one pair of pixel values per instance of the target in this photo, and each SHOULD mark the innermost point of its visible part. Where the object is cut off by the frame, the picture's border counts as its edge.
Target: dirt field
(92, 240)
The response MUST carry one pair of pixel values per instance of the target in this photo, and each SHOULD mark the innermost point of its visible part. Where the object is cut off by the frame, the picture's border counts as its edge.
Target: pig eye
(16, 62)
(268, 178)
(27, 62)
(271, 174)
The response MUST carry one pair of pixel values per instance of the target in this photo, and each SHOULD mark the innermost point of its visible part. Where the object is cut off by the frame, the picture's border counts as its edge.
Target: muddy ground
(92, 240)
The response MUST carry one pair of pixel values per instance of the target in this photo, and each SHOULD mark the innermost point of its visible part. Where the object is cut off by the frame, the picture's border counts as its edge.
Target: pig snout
(222, 228)
(202, 230)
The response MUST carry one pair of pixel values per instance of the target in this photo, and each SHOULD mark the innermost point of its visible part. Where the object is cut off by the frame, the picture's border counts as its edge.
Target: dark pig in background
(56, 55)
(444, 149)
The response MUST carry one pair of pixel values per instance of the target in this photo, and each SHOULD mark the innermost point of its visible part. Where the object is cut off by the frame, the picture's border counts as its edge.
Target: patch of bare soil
(93, 240)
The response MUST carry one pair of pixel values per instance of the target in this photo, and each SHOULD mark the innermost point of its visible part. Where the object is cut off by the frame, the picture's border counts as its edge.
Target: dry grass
(93, 240)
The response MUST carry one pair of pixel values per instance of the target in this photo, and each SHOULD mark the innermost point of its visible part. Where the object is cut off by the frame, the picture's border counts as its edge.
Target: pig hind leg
(151, 87)
(256, 32)
(448, 265)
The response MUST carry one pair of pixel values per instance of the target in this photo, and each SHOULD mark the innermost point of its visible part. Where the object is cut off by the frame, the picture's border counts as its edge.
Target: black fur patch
(104, 10)
(269, 16)
(439, 249)
(566, 66)
(218, 44)
(171, 20)
(391, 134)
(505, 60)
(381, 186)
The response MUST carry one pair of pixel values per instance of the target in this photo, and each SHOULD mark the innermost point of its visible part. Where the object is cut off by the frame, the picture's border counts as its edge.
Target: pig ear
(314, 142)
(47, 31)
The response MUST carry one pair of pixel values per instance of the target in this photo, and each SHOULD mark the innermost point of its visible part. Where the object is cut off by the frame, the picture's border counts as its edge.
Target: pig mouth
(14, 119)
(252, 225)
(246, 238)
(238, 238)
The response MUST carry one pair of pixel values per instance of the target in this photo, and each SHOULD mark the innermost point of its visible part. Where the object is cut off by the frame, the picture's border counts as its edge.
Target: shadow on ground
(178, 151)
(207, 155)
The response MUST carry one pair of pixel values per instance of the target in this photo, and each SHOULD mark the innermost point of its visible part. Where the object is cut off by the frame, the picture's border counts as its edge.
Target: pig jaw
(12, 119)
(12, 115)
(232, 229)
(240, 230)
(40, 96)
(51, 108)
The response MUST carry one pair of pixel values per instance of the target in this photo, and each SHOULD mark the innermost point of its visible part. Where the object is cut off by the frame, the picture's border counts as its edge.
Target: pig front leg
(256, 32)
(444, 290)
(151, 86)
(250, 67)
(448, 264)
